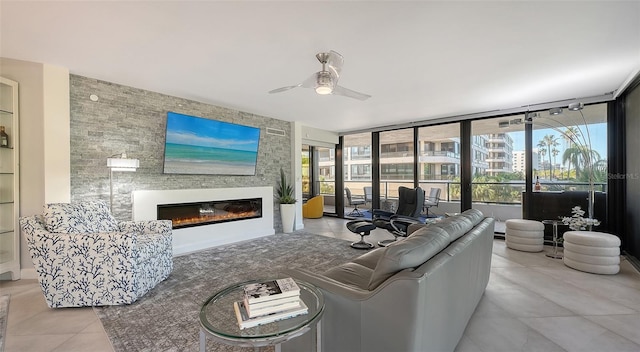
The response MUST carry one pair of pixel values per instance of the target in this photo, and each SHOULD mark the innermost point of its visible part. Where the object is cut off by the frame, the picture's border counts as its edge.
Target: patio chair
(354, 202)
(432, 200)
(368, 195)
(410, 202)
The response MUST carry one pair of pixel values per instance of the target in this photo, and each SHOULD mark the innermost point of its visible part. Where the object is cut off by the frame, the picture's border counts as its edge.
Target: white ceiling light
(555, 111)
(323, 90)
(575, 106)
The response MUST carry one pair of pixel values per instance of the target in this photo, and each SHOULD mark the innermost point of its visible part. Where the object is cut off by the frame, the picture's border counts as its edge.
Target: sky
(598, 138)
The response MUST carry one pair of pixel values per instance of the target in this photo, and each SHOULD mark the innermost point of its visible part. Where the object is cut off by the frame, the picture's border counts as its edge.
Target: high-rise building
(500, 157)
(519, 160)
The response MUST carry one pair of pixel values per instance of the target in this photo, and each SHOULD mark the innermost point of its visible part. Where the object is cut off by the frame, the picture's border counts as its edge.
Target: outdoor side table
(218, 320)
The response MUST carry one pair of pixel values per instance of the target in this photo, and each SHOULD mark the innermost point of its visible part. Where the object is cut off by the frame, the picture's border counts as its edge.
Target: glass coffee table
(218, 320)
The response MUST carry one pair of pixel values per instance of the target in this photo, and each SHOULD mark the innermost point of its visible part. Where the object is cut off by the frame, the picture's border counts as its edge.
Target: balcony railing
(498, 196)
(440, 153)
(396, 154)
(360, 156)
(484, 192)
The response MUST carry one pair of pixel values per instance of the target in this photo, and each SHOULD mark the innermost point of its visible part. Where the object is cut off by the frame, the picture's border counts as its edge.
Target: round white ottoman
(524, 235)
(593, 252)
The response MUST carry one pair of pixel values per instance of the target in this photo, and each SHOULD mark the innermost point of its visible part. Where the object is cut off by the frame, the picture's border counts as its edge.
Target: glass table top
(218, 319)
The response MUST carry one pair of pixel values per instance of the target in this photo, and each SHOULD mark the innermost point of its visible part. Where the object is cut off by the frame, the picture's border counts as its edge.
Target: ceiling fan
(326, 81)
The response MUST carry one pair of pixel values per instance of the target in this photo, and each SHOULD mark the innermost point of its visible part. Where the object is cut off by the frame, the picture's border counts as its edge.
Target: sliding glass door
(307, 191)
(572, 148)
(357, 158)
(325, 164)
(439, 166)
(396, 165)
(318, 175)
(498, 166)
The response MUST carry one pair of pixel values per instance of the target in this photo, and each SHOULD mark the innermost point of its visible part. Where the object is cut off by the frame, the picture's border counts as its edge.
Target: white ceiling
(419, 60)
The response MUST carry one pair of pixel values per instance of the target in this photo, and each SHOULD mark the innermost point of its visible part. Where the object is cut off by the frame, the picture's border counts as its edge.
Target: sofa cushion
(455, 226)
(415, 227)
(474, 215)
(352, 274)
(409, 253)
(78, 218)
(370, 259)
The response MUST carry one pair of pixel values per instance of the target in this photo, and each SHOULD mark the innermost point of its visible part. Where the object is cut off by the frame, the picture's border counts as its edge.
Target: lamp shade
(121, 164)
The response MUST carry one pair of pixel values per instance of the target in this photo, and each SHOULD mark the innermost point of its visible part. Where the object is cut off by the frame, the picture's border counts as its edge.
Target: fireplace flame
(203, 219)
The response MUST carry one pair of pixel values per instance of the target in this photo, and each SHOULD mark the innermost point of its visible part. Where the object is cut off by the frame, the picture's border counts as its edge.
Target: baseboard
(28, 274)
(633, 260)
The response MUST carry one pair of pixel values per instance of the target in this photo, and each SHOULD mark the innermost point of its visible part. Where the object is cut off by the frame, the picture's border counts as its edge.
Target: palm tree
(551, 141)
(600, 170)
(555, 153)
(572, 156)
(577, 155)
(570, 134)
(542, 145)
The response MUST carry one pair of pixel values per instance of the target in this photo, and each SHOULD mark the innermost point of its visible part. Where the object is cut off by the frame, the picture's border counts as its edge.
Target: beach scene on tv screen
(196, 145)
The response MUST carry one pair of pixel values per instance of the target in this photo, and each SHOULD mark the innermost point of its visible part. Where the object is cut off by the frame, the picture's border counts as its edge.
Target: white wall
(57, 136)
(44, 132)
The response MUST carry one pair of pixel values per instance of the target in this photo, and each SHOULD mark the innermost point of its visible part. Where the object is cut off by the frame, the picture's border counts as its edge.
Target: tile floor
(532, 303)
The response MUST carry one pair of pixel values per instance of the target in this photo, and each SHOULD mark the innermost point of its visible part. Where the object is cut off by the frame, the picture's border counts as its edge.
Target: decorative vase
(288, 216)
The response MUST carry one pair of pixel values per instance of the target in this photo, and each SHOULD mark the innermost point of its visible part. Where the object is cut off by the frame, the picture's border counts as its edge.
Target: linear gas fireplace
(204, 213)
(187, 239)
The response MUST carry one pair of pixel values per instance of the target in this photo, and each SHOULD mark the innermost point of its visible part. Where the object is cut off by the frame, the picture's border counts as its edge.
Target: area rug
(166, 318)
(4, 313)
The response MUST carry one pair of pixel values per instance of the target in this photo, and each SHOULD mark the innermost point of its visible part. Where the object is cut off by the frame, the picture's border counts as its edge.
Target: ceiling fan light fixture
(325, 81)
(324, 90)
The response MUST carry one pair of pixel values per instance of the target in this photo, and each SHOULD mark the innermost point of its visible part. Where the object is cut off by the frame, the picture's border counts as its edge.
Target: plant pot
(288, 216)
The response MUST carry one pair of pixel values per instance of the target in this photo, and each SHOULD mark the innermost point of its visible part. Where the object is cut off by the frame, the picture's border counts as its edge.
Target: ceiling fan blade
(282, 89)
(310, 82)
(335, 62)
(339, 90)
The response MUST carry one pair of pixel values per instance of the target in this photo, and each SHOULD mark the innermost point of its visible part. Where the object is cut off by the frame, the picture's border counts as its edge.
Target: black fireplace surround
(192, 214)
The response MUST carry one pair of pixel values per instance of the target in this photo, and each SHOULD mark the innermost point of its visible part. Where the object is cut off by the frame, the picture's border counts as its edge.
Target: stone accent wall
(133, 121)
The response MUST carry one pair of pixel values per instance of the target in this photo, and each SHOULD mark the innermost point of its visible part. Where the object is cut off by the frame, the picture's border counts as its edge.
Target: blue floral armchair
(84, 257)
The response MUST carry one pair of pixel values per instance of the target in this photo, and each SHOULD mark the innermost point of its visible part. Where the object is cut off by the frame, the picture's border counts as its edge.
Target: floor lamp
(119, 164)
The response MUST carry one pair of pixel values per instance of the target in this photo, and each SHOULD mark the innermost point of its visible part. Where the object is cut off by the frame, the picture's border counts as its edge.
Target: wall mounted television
(196, 145)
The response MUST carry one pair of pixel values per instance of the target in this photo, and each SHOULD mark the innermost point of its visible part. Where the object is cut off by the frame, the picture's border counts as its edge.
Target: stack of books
(269, 301)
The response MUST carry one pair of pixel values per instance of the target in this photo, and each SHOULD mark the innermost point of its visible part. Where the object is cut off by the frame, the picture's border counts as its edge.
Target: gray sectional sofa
(414, 295)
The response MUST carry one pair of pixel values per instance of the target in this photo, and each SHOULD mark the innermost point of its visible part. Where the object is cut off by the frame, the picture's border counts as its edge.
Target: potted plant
(286, 197)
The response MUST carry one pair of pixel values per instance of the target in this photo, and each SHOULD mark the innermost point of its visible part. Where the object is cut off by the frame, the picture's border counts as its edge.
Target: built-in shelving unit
(9, 181)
